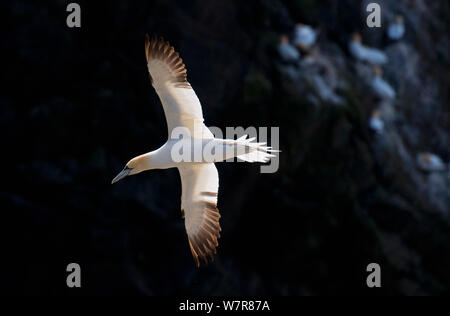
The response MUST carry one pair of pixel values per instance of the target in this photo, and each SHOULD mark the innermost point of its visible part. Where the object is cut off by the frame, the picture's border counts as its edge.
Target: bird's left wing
(169, 78)
(200, 186)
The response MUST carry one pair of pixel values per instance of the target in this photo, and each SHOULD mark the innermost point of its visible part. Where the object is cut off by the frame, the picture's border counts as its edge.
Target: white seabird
(380, 86)
(287, 52)
(375, 122)
(324, 91)
(396, 29)
(304, 36)
(368, 54)
(430, 162)
(199, 178)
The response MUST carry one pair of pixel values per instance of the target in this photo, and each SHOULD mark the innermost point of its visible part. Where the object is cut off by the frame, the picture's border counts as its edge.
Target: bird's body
(380, 86)
(396, 29)
(324, 91)
(304, 36)
(371, 55)
(191, 147)
(364, 53)
(375, 122)
(287, 52)
(430, 162)
(190, 151)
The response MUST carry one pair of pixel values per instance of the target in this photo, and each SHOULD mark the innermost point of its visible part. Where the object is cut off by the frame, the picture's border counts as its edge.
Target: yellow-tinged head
(378, 71)
(356, 37)
(284, 39)
(134, 166)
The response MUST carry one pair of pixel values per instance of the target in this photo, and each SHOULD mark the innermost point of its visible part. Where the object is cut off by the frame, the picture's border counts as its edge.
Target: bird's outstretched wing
(200, 186)
(168, 75)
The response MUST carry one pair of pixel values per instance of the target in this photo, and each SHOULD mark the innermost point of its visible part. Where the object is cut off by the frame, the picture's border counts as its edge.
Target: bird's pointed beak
(121, 175)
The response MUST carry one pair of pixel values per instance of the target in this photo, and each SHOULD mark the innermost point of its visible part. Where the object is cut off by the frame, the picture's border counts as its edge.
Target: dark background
(77, 104)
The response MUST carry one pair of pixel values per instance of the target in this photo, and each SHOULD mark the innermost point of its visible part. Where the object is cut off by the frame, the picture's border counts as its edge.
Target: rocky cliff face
(78, 104)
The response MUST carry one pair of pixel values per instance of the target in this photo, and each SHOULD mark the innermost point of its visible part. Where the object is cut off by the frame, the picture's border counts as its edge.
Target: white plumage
(304, 36)
(380, 86)
(376, 123)
(324, 91)
(181, 104)
(368, 54)
(430, 162)
(287, 52)
(199, 178)
(396, 29)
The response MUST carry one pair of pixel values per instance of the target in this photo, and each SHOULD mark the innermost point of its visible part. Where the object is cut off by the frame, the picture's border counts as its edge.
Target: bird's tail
(254, 152)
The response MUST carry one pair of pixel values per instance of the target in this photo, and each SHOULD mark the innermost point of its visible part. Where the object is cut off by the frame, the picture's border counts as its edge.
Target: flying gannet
(199, 177)
(396, 29)
(287, 52)
(368, 54)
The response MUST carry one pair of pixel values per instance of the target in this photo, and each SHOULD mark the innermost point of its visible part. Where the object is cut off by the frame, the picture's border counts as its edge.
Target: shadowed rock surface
(78, 104)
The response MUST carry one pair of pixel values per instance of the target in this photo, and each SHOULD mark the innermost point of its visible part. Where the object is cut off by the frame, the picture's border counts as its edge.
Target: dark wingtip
(157, 48)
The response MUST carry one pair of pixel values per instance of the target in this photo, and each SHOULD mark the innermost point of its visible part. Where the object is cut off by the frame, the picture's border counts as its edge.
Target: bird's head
(378, 71)
(376, 113)
(427, 158)
(356, 37)
(399, 18)
(284, 39)
(134, 166)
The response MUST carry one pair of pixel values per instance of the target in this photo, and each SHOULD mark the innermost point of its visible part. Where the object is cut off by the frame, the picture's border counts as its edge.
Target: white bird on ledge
(430, 162)
(364, 53)
(380, 86)
(375, 122)
(287, 52)
(199, 178)
(304, 36)
(396, 29)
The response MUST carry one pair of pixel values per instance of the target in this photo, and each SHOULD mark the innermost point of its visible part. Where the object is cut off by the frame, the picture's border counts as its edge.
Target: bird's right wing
(200, 186)
(168, 75)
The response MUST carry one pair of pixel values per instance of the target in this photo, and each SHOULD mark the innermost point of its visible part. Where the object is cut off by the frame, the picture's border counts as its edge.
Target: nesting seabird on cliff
(199, 177)
(304, 36)
(364, 53)
(380, 86)
(396, 29)
(430, 162)
(287, 52)
(375, 122)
